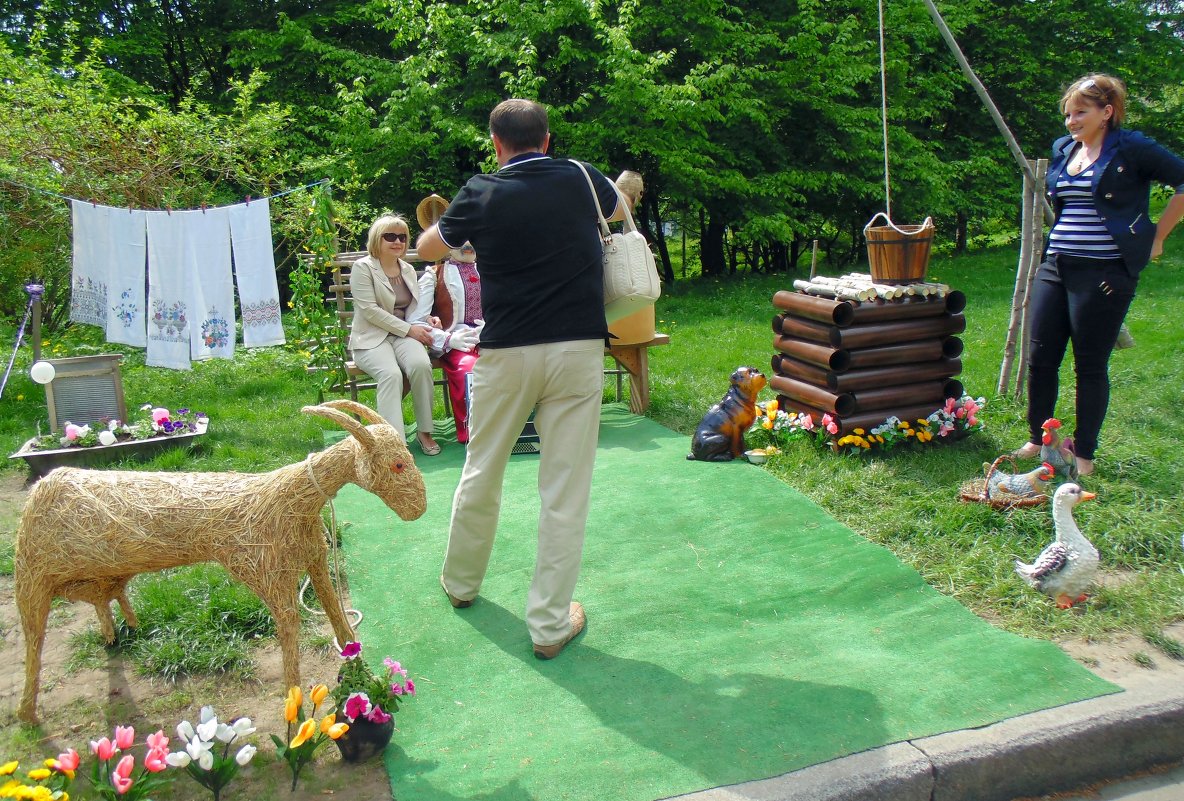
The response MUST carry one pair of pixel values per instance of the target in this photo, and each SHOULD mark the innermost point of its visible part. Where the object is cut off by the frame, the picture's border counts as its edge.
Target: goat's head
(382, 462)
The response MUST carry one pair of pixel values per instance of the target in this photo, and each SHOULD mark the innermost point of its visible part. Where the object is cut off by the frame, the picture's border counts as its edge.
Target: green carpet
(735, 632)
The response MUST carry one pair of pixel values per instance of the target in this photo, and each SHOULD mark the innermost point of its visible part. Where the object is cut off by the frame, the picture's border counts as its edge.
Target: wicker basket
(975, 490)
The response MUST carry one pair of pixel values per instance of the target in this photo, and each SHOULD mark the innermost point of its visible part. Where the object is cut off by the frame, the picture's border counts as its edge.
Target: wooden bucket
(898, 254)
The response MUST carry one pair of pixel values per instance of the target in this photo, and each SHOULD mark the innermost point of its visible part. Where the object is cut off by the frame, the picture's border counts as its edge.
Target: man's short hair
(519, 124)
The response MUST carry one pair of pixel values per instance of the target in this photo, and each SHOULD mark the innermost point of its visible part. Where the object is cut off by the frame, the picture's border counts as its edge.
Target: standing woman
(1099, 182)
(383, 342)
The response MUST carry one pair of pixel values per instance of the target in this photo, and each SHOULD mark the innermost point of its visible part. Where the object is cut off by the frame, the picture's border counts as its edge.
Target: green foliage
(318, 327)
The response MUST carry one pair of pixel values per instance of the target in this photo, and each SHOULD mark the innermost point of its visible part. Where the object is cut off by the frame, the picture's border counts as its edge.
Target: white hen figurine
(1066, 568)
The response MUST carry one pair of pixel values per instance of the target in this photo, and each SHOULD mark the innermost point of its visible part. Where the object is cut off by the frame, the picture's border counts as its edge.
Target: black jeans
(1083, 301)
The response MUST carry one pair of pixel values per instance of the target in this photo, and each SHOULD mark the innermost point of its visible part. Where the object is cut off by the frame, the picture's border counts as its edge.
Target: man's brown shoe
(457, 603)
(578, 620)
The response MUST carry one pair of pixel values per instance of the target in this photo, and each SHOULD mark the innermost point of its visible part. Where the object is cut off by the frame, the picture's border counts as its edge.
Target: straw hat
(429, 210)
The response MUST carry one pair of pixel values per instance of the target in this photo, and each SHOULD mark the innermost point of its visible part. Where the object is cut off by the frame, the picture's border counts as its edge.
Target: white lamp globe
(42, 372)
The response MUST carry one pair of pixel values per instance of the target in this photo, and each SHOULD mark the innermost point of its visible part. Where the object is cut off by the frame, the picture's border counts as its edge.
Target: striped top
(1079, 231)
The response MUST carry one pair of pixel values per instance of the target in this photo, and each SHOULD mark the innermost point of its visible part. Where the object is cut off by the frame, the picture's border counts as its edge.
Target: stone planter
(42, 461)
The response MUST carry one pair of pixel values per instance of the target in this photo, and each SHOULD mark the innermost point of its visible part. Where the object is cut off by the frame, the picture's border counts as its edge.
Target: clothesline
(322, 182)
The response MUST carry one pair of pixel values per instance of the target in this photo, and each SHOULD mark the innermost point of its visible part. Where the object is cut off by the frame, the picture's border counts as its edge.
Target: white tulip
(208, 729)
(185, 730)
(224, 733)
(243, 727)
(106, 438)
(244, 754)
(206, 760)
(178, 759)
(207, 714)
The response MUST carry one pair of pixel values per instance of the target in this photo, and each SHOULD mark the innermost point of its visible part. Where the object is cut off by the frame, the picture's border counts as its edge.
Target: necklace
(1083, 158)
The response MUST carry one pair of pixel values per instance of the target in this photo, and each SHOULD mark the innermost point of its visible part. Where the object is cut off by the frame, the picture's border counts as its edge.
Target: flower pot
(364, 739)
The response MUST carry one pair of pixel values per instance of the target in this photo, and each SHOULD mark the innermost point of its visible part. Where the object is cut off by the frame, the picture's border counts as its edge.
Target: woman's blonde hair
(1100, 90)
(383, 224)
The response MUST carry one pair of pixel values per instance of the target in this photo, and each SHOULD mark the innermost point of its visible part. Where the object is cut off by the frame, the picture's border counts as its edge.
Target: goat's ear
(345, 421)
(362, 411)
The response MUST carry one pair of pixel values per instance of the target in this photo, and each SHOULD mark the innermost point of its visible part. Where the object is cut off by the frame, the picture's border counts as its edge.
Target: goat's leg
(33, 603)
(129, 614)
(106, 622)
(281, 600)
(330, 601)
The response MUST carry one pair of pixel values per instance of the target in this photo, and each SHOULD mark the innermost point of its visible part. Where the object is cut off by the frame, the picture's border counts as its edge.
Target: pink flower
(972, 420)
(949, 407)
(410, 687)
(807, 422)
(68, 760)
(397, 688)
(73, 432)
(357, 705)
(158, 741)
(394, 667)
(377, 715)
(160, 415)
(961, 412)
(104, 749)
(121, 777)
(351, 650)
(125, 737)
(154, 760)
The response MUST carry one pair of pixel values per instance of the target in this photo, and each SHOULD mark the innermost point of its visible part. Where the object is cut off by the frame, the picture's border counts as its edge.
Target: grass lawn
(907, 500)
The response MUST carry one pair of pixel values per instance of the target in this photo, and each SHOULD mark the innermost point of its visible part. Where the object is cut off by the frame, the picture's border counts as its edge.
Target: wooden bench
(630, 360)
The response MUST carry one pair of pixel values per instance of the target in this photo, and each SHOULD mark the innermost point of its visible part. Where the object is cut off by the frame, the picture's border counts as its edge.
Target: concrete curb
(1048, 751)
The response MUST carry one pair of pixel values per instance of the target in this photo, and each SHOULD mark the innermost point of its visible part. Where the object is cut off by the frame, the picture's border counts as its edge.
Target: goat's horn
(344, 420)
(361, 410)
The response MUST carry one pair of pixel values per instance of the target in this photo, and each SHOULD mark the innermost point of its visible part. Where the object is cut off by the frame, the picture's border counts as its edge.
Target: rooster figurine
(1057, 452)
(1002, 487)
(1066, 568)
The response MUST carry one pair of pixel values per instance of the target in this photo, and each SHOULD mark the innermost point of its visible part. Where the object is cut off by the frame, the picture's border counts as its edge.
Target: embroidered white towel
(90, 266)
(211, 285)
(254, 271)
(170, 314)
(126, 318)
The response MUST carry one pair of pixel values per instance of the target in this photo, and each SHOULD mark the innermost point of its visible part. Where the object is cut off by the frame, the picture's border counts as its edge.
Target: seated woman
(384, 339)
(452, 290)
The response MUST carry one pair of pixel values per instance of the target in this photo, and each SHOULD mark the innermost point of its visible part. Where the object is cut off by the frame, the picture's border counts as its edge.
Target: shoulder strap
(604, 231)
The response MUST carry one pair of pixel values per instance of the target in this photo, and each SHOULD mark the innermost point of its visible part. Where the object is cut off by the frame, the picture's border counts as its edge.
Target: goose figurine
(1057, 452)
(1066, 568)
(1003, 487)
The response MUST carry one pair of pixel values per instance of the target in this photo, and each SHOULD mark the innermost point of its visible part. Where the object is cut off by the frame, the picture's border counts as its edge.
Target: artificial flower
(357, 705)
(351, 650)
(243, 727)
(9, 768)
(318, 695)
(245, 754)
(292, 704)
(104, 749)
(37, 774)
(185, 731)
(156, 760)
(376, 715)
(67, 760)
(160, 415)
(125, 737)
(307, 729)
(327, 722)
(337, 729)
(121, 777)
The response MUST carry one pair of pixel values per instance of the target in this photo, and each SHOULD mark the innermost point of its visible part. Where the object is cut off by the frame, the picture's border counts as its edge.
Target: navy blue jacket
(1123, 174)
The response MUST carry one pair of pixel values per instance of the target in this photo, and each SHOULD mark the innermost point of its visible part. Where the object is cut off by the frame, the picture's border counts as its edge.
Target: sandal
(429, 449)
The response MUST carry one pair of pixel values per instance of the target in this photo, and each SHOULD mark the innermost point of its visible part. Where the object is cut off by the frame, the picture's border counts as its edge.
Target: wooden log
(814, 353)
(829, 291)
(834, 312)
(919, 351)
(803, 371)
(813, 396)
(904, 309)
(879, 377)
(904, 395)
(800, 328)
(896, 331)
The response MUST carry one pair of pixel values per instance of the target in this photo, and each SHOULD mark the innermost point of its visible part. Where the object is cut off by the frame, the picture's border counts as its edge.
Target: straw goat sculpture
(85, 533)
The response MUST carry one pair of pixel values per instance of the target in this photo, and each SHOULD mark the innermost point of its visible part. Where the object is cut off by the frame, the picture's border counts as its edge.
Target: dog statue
(720, 435)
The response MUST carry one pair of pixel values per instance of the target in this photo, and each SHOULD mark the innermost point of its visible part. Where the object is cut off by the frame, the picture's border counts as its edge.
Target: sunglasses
(393, 237)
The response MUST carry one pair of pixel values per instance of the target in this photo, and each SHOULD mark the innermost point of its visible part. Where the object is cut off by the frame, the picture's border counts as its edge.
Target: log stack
(864, 352)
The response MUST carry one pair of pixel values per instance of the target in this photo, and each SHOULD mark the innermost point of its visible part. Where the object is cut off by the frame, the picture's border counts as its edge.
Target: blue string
(322, 182)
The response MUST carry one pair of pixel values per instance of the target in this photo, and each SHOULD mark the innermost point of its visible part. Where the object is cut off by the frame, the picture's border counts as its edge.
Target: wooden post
(1035, 246)
(1017, 296)
(814, 261)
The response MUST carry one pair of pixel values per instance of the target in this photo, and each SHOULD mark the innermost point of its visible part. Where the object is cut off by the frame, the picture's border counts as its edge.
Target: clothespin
(93, 203)
(203, 207)
(169, 209)
(248, 200)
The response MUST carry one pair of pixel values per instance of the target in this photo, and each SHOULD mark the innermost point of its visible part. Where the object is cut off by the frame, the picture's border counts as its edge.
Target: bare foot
(1026, 451)
(1084, 466)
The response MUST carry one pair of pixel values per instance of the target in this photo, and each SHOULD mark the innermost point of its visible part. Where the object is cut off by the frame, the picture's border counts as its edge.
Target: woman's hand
(421, 334)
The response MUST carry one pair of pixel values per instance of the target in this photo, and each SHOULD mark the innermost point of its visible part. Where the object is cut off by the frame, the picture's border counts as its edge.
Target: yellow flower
(9, 768)
(858, 431)
(292, 704)
(771, 408)
(38, 774)
(49, 763)
(767, 424)
(327, 722)
(307, 729)
(318, 695)
(20, 397)
(39, 793)
(338, 729)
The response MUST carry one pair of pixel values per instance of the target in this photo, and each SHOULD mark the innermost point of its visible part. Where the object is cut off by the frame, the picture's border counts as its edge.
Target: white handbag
(630, 274)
